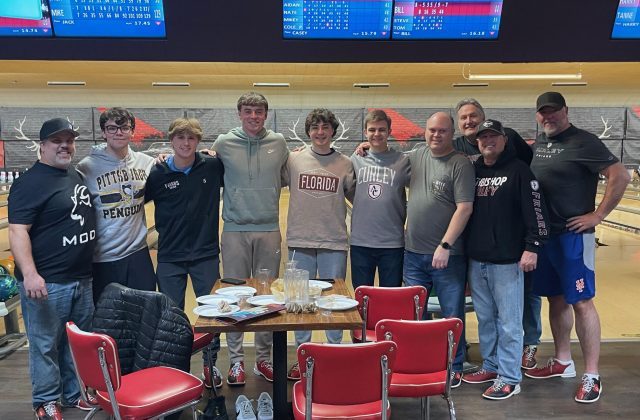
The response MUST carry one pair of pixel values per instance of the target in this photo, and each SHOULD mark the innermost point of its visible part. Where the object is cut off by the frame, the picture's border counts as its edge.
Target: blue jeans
(365, 260)
(531, 322)
(50, 364)
(449, 285)
(325, 263)
(498, 295)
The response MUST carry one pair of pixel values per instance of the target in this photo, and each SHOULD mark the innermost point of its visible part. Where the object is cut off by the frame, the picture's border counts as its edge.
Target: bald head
(439, 134)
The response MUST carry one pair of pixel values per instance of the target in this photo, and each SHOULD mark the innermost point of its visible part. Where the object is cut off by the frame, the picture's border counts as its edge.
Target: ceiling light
(506, 76)
(569, 84)
(271, 84)
(64, 83)
(463, 85)
(466, 73)
(371, 85)
(170, 84)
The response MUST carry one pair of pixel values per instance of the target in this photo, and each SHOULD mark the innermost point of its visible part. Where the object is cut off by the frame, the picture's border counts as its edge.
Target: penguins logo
(80, 197)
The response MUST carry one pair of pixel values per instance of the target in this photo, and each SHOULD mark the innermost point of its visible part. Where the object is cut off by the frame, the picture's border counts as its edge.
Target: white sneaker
(265, 407)
(244, 409)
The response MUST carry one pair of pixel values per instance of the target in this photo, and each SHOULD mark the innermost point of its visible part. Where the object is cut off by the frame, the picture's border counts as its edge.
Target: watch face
(445, 245)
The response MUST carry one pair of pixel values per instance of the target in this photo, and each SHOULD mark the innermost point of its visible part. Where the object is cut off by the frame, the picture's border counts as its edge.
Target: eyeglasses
(113, 129)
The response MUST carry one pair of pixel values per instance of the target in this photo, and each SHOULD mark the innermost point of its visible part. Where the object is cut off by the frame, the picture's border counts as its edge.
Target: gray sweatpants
(243, 253)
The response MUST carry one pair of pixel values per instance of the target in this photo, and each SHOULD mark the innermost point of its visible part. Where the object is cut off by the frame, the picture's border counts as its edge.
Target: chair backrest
(376, 303)
(88, 350)
(345, 374)
(423, 346)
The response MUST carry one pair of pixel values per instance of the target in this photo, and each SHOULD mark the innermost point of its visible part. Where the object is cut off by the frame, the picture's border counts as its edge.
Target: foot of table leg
(281, 407)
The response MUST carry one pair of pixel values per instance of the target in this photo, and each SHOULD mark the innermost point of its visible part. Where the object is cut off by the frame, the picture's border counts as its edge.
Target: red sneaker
(208, 380)
(49, 411)
(264, 368)
(294, 372)
(589, 390)
(552, 369)
(529, 357)
(480, 376)
(236, 374)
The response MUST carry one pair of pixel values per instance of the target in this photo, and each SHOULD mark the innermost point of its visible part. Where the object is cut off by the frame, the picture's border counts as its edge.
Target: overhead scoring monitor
(24, 18)
(453, 19)
(336, 19)
(627, 22)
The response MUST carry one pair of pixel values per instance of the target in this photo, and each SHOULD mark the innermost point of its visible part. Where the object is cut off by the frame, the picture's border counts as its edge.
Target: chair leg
(425, 408)
(452, 409)
(194, 413)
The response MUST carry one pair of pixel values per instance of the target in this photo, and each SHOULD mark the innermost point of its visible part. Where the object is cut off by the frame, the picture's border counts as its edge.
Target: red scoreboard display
(453, 19)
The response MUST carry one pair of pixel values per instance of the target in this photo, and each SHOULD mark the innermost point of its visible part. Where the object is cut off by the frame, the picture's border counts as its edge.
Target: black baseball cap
(55, 126)
(552, 99)
(490, 125)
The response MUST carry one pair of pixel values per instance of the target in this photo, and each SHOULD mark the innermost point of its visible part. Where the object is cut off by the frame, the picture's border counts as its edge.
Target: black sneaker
(456, 379)
(589, 390)
(49, 411)
(500, 390)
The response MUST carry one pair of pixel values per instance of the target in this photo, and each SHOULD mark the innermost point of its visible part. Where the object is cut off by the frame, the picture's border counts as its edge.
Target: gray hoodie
(117, 187)
(252, 181)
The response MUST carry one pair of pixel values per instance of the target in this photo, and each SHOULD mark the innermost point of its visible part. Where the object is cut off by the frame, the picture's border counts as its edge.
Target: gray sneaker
(265, 407)
(244, 409)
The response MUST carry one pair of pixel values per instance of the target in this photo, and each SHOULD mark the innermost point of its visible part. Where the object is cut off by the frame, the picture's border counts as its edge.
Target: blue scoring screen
(453, 19)
(627, 22)
(108, 18)
(24, 18)
(337, 19)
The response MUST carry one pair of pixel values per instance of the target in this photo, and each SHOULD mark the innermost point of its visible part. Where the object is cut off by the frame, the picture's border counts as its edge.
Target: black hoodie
(509, 214)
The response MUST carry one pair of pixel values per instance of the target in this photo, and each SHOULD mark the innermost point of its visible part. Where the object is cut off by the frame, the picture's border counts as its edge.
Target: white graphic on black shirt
(80, 198)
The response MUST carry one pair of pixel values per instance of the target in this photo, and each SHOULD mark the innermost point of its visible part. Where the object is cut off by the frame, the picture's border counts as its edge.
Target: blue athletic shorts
(566, 267)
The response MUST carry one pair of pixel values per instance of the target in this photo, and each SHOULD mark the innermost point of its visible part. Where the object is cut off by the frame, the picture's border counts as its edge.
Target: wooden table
(279, 324)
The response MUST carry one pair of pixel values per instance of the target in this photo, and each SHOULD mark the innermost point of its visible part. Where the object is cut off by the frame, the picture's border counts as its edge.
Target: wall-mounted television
(108, 18)
(25, 18)
(627, 22)
(452, 19)
(336, 19)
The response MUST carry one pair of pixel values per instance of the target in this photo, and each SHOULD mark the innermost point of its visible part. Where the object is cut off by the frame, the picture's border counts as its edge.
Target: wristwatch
(445, 245)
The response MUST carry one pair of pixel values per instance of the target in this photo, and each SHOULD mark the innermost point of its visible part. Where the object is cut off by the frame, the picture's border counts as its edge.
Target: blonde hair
(185, 125)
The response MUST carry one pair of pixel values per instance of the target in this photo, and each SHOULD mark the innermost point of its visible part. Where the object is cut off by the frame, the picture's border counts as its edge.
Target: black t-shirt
(515, 145)
(57, 205)
(567, 167)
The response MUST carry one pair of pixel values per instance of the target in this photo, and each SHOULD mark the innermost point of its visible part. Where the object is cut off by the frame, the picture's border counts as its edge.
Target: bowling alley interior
(193, 59)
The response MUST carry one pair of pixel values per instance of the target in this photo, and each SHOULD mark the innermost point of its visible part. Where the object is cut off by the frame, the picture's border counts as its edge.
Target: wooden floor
(539, 399)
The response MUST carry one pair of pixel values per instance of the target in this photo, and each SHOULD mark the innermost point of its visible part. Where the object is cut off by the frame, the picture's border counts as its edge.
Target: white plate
(324, 285)
(236, 290)
(215, 299)
(336, 303)
(263, 300)
(210, 311)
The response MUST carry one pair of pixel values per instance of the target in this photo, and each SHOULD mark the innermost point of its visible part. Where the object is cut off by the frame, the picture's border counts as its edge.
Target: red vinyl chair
(425, 355)
(325, 392)
(147, 393)
(376, 303)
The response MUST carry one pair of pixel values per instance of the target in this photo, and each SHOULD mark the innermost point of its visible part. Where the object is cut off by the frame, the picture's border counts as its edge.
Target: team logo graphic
(80, 197)
(375, 190)
(549, 145)
(535, 185)
(580, 285)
